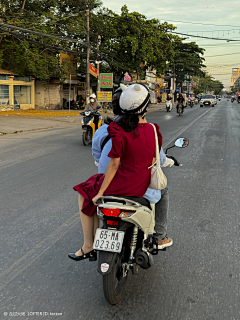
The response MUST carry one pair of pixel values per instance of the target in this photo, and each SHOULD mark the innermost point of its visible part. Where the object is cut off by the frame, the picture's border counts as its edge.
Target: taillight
(122, 213)
(112, 223)
(110, 212)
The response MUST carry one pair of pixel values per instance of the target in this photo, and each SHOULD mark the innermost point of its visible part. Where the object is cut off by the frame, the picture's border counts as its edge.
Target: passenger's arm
(111, 171)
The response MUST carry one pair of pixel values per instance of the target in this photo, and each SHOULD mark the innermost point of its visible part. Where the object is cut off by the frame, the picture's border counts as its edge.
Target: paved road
(197, 278)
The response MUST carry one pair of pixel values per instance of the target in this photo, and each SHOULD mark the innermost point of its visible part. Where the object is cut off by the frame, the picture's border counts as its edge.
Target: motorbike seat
(142, 201)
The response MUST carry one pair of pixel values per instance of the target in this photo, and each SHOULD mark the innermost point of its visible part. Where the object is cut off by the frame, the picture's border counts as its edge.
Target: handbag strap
(157, 147)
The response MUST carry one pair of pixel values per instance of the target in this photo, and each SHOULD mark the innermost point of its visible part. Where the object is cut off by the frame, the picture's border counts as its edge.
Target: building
(16, 92)
(235, 76)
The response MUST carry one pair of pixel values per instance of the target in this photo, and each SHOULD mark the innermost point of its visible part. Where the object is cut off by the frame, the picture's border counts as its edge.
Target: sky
(208, 18)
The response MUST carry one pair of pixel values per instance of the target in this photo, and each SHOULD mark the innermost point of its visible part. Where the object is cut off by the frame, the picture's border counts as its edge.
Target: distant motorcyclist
(180, 100)
(93, 104)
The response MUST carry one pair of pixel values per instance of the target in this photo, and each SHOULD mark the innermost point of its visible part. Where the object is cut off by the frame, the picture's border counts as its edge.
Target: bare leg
(87, 225)
(95, 223)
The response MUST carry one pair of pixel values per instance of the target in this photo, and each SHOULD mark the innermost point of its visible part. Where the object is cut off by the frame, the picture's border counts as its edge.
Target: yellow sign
(164, 97)
(104, 96)
(69, 69)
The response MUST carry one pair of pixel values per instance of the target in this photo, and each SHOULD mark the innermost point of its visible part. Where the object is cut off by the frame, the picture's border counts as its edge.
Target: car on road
(215, 99)
(238, 99)
(207, 100)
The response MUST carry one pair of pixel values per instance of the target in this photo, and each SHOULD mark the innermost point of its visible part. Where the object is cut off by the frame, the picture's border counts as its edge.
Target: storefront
(16, 92)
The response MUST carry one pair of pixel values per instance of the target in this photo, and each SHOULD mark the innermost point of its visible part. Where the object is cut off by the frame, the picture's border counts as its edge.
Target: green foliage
(188, 59)
(207, 83)
(65, 17)
(135, 42)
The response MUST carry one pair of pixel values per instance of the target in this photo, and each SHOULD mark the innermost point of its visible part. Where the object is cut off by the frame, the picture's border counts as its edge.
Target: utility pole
(98, 62)
(87, 89)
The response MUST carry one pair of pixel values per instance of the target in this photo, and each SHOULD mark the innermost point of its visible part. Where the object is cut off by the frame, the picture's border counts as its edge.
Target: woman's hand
(94, 200)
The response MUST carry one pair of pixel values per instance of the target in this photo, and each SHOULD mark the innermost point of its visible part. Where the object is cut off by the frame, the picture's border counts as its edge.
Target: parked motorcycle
(91, 121)
(125, 241)
(74, 105)
(168, 105)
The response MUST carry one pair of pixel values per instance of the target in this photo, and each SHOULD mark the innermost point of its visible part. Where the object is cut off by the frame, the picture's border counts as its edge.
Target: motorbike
(232, 99)
(180, 109)
(125, 241)
(91, 121)
(191, 103)
(74, 105)
(168, 105)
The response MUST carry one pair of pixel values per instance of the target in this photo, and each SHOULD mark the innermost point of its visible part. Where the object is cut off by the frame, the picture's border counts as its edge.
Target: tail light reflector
(112, 223)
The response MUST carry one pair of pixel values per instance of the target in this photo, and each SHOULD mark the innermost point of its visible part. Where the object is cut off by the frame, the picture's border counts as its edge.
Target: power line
(220, 55)
(173, 32)
(85, 44)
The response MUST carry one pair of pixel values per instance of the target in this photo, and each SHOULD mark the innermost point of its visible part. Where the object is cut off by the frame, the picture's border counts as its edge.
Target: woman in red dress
(133, 142)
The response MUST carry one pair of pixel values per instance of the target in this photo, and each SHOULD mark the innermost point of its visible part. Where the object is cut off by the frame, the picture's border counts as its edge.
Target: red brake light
(115, 212)
(110, 212)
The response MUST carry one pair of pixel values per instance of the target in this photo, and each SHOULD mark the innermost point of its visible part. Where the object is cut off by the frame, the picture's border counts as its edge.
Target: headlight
(82, 122)
(87, 113)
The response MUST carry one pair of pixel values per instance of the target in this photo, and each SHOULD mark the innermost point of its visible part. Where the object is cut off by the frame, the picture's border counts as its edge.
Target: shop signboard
(71, 66)
(104, 96)
(106, 80)
(164, 97)
(153, 97)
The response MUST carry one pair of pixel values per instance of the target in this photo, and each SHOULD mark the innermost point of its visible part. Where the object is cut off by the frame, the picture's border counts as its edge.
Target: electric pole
(97, 63)
(87, 89)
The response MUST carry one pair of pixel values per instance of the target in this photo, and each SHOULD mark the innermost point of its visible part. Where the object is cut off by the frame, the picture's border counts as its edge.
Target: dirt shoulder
(17, 121)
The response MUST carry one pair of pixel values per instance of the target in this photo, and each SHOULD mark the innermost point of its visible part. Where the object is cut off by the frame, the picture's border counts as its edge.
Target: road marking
(183, 130)
(32, 255)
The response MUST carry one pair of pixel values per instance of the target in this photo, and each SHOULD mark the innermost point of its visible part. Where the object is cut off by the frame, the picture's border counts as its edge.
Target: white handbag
(158, 179)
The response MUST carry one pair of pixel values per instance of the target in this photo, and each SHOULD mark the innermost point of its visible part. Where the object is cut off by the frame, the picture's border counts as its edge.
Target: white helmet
(134, 99)
(93, 96)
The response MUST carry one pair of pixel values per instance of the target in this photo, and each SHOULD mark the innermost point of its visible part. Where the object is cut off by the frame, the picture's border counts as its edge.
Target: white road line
(32, 255)
(183, 130)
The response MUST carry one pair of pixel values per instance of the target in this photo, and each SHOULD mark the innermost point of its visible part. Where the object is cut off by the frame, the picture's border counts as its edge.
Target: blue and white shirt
(101, 157)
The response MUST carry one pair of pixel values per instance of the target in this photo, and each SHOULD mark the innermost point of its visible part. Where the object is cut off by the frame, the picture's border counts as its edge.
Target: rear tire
(114, 284)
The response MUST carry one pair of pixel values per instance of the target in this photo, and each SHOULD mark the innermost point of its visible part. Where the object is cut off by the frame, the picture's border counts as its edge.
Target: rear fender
(105, 261)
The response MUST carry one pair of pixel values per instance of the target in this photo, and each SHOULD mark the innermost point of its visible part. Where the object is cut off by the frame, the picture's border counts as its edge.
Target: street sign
(104, 96)
(106, 80)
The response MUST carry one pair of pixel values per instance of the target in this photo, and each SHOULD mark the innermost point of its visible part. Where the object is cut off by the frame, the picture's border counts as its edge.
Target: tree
(30, 55)
(134, 42)
(188, 59)
(208, 83)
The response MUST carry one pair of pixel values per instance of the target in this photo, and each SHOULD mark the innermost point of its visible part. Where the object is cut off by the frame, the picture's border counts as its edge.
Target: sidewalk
(31, 120)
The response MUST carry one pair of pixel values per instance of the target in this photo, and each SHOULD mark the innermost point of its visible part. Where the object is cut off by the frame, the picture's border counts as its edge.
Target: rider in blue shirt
(101, 146)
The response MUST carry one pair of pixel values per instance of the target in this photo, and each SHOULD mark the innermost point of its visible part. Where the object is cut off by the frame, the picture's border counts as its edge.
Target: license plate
(206, 102)
(108, 240)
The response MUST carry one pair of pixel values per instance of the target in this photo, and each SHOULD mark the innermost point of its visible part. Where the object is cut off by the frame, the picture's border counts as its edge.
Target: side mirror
(181, 143)
(98, 107)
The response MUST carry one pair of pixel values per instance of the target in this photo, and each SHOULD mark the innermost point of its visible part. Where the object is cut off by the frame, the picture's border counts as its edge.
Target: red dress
(136, 150)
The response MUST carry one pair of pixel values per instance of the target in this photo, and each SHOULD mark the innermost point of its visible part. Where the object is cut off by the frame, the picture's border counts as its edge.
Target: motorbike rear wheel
(114, 284)
(86, 137)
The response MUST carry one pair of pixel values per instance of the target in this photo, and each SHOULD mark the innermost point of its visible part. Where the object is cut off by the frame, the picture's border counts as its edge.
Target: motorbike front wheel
(86, 137)
(114, 284)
